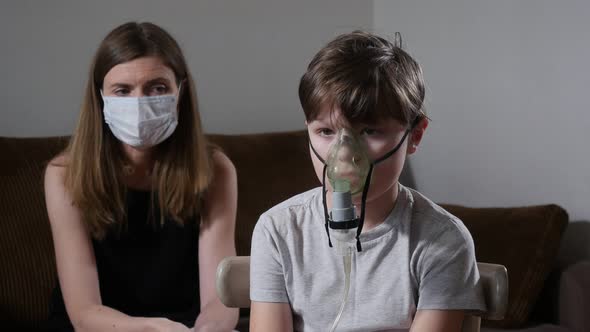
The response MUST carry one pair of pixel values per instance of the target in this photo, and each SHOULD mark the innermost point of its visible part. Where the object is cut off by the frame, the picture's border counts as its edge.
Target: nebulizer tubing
(343, 243)
(347, 167)
(347, 261)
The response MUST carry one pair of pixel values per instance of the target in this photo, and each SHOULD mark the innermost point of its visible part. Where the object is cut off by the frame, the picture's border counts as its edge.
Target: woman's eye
(121, 92)
(159, 89)
(325, 132)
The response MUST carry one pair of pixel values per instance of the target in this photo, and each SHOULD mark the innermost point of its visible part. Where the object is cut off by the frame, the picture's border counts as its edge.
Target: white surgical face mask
(141, 121)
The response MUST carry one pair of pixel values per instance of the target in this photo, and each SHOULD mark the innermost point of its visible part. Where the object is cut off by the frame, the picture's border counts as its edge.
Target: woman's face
(146, 76)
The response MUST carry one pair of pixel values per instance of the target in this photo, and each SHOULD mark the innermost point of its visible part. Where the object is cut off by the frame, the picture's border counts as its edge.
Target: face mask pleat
(141, 121)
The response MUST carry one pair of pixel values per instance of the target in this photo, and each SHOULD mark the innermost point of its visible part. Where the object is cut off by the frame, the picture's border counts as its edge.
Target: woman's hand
(211, 327)
(166, 325)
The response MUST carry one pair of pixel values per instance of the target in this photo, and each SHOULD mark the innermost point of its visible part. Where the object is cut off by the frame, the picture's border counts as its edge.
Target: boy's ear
(416, 136)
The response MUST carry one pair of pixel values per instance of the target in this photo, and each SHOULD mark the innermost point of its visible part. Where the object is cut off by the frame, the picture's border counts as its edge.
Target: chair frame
(233, 289)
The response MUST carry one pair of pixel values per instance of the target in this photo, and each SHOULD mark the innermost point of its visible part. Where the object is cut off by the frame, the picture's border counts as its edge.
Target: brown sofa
(272, 167)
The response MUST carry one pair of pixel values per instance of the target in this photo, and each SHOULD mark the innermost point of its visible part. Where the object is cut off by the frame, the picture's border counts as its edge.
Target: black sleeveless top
(145, 269)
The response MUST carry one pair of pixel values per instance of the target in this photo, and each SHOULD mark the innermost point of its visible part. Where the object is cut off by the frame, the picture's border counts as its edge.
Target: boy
(409, 263)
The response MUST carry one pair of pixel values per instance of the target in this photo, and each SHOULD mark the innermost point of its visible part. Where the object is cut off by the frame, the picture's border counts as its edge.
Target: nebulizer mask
(348, 169)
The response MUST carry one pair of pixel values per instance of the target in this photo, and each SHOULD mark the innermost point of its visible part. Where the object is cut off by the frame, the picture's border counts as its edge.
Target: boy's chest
(380, 296)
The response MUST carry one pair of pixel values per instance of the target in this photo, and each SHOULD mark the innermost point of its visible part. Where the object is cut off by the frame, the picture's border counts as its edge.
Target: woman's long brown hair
(95, 160)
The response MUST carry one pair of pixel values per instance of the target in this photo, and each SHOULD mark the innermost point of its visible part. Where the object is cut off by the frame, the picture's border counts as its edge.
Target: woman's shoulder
(61, 160)
(222, 168)
(56, 167)
(223, 186)
(220, 162)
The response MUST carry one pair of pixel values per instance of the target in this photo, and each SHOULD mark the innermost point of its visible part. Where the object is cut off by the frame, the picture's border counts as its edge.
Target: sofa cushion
(525, 240)
(27, 263)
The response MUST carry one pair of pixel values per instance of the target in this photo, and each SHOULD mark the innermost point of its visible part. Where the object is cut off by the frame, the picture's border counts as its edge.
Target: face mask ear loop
(180, 86)
(326, 214)
(362, 216)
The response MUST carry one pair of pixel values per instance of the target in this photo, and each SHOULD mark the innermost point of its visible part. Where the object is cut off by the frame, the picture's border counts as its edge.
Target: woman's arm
(216, 241)
(437, 321)
(270, 317)
(76, 267)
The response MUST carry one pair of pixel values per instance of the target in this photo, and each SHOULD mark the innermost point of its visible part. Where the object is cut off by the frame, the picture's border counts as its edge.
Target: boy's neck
(377, 209)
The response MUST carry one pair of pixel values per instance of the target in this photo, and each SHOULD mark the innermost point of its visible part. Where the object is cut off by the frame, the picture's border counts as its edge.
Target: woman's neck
(139, 168)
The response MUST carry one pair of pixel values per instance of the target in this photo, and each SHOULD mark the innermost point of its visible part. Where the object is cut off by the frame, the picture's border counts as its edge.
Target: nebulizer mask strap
(324, 191)
(368, 184)
(326, 213)
(368, 181)
(363, 204)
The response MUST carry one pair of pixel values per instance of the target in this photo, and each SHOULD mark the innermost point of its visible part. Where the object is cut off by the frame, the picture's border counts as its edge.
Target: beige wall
(246, 56)
(508, 86)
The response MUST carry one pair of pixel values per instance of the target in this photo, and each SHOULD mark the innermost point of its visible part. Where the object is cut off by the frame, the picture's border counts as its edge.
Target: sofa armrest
(233, 285)
(233, 281)
(494, 278)
(574, 297)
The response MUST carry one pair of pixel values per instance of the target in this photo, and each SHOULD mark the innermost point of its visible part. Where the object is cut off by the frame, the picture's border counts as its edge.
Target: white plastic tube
(347, 260)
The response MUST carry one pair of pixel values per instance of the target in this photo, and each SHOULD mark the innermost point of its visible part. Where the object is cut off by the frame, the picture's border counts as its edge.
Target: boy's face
(378, 138)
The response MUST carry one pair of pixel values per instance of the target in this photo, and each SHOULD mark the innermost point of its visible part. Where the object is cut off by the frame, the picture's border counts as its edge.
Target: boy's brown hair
(367, 77)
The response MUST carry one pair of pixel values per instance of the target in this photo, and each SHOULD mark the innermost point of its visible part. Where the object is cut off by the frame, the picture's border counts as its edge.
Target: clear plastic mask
(347, 163)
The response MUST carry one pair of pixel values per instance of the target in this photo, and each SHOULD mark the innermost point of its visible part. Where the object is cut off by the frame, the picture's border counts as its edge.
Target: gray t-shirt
(420, 257)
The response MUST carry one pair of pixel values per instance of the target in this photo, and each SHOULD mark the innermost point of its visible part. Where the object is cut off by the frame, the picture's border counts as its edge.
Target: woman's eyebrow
(120, 85)
(159, 80)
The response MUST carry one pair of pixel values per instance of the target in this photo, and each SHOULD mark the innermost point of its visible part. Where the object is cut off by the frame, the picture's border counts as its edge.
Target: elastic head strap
(363, 203)
(326, 214)
(398, 146)
(316, 153)
(324, 191)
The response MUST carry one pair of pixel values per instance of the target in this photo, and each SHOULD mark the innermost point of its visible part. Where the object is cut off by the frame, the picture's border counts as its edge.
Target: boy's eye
(369, 131)
(325, 132)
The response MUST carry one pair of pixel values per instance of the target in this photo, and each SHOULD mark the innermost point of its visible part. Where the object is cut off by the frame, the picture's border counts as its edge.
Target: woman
(141, 208)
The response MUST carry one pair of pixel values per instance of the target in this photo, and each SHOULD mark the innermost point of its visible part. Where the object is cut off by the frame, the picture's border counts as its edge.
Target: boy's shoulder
(293, 210)
(430, 219)
(302, 200)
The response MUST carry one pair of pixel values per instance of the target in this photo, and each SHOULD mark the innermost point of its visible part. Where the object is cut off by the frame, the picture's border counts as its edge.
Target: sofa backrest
(271, 168)
(27, 262)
